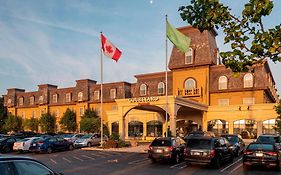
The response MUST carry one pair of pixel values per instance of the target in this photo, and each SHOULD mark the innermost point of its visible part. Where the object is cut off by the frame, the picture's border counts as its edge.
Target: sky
(58, 41)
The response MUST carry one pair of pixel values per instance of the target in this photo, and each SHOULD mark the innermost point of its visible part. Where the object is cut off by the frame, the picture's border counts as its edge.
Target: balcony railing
(196, 92)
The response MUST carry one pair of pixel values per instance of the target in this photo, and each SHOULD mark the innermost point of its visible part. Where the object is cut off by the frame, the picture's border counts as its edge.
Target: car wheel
(49, 150)
(176, 158)
(89, 144)
(70, 148)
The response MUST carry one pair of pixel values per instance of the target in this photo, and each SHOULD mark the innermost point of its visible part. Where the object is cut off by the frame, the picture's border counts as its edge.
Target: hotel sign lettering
(143, 99)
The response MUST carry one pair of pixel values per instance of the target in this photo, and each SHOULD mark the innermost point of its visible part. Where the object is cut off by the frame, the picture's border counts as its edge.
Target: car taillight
(185, 151)
(212, 153)
(247, 152)
(40, 143)
(272, 153)
(169, 148)
(150, 148)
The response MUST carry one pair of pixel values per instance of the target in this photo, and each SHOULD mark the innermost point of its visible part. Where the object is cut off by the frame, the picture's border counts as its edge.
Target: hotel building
(202, 94)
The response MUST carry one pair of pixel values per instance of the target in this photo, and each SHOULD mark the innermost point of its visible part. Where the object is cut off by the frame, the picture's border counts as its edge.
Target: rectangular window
(96, 95)
(189, 56)
(112, 93)
(114, 107)
(81, 110)
(68, 97)
(31, 100)
(55, 98)
(33, 114)
(21, 101)
(249, 101)
(223, 102)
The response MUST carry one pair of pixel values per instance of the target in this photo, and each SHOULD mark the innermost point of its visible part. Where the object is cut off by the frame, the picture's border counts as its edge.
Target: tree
(278, 121)
(3, 113)
(13, 123)
(250, 41)
(31, 124)
(47, 123)
(68, 121)
(90, 122)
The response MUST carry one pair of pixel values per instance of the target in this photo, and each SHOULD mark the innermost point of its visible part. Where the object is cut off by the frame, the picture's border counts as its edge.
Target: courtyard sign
(143, 99)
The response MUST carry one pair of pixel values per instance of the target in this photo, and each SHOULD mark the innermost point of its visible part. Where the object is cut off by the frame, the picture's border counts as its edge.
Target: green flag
(181, 41)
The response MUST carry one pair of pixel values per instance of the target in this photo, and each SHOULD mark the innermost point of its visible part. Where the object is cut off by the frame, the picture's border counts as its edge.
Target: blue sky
(57, 41)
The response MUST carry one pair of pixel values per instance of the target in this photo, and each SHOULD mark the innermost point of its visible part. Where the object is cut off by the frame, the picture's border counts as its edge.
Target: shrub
(121, 143)
(115, 136)
(111, 144)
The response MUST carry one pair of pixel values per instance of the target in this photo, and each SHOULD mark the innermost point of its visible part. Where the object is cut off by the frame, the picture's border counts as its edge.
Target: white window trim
(68, 97)
(248, 83)
(223, 82)
(189, 53)
(96, 95)
(159, 87)
(143, 89)
(55, 98)
(80, 96)
(113, 93)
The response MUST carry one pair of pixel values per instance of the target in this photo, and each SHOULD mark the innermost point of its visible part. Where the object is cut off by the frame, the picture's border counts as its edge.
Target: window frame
(223, 82)
(189, 54)
(143, 89)
(21, 101)
(68, 97)
(113, 93)
(80, 96)
(188, 79)
(55, 98)
(161, 86)
(248, 80)
(96, 95)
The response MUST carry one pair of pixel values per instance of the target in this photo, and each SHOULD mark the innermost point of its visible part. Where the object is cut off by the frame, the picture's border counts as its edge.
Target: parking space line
(178, 165)
(235, 169)
(137, 161)
(97, 155)
(231, 165)
(52, 160)
(88, 157)
(78, 158)
(105, 154)
(66, 160)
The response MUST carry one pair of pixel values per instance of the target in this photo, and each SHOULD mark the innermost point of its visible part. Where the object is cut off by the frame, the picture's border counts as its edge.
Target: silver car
(88, 140)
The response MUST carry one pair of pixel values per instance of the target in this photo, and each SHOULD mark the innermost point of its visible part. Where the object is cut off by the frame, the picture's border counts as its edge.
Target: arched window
(246, 128)
(189, 84)
(218, 127)
(21, 101)
(143, 89)
(161, 88)
(115, 127)
(80, 96)
(248, 80)
(154, 128)
(268, 126)
(189, 56)
(222, 82)
(135, 129)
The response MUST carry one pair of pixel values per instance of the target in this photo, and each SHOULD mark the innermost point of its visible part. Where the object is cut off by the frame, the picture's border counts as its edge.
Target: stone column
(259, 128)
(122, 127)
(173, 124)
(204, 121)
(230, 127)
(144, 130)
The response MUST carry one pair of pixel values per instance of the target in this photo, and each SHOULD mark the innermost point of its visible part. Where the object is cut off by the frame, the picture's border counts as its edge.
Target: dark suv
(208, 151)
(170, 148)
(272, 139)
(237, 143)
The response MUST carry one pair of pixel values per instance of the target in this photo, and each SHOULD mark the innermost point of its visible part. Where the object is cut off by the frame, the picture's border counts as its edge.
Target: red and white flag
(109, 49)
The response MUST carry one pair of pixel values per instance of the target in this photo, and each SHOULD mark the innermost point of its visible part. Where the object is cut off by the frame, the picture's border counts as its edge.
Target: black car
(273, 139)
(237, 143)
(10, 165)
(168, 148)
(6, 144)
(261, 154)
(208, 151)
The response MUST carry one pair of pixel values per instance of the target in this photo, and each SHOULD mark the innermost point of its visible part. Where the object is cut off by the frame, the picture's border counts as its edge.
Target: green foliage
(31, 124)
(115, 136)
(278, 121)
(13, 123)
(250, 42)
(121, 143)
(47, 123)
(68, 121)
(111, 144)
(90, 122)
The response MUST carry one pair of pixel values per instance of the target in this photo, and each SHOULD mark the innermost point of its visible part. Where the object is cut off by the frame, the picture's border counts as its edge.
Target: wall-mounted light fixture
(239, 108)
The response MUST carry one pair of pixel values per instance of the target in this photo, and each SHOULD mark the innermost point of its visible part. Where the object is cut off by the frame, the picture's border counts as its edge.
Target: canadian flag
(109, 49)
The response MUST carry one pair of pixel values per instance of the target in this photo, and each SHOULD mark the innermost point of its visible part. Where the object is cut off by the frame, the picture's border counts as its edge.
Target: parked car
(72, 137)
(15, 165)
(24, 144)
(265, 154)
(200, 133)
(169, 148)
(273, 139)
(50, 144)
(237, 143)
(208, 150)
(6, 144)
(89, 140)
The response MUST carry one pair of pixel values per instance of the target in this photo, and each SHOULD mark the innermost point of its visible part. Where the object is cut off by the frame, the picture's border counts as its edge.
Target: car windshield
(158, 142)
(262, 147)
(199, 143)
(68, 135)
(268, 139)
(231, 139)
(23, 140)
(87, 136)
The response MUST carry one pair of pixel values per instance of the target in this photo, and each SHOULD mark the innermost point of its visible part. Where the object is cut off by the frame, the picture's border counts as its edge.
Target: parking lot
(88, 162)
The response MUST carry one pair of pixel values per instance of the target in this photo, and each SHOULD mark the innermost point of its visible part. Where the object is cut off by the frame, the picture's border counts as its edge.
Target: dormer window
(161, 87)
(31, 100)
(222, 82)
(112, 93)
(143, 89)
(80, 96)
(96, 95)
(41, 98)
(189, 56)
(55, 98)
(68, 97)
(21, 101)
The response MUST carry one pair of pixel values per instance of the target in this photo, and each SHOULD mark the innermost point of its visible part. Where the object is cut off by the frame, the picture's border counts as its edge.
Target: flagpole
(101, 100)
(166, 78)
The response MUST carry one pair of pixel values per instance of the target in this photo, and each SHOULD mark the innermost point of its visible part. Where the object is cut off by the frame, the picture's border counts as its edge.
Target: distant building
(202, 94)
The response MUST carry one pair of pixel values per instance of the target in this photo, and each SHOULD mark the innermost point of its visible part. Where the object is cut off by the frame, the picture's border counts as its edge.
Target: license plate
(259, 154)
(159, 150)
